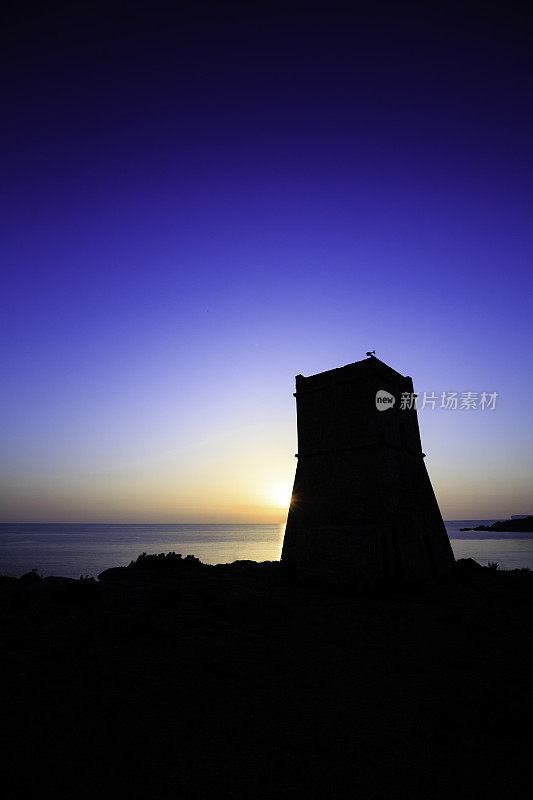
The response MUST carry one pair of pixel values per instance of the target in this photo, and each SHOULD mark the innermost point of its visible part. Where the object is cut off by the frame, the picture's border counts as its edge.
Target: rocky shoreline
(173, 678)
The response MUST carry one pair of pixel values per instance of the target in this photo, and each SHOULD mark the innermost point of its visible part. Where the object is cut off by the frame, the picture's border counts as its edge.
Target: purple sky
(198, 206)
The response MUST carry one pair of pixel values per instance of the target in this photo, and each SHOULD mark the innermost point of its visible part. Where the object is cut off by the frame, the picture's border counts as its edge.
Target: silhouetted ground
(181, 680)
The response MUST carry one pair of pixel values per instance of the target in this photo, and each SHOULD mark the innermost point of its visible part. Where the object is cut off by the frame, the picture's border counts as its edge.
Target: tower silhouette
(362, 507)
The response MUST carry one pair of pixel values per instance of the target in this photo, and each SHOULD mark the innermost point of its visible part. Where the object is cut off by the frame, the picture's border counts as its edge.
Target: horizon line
(34, 522)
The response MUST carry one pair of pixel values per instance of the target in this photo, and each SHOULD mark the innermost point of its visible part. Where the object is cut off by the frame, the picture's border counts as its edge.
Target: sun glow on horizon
(278, 494)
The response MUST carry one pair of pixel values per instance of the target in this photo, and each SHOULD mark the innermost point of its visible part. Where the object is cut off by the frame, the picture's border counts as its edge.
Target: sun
(279, 494)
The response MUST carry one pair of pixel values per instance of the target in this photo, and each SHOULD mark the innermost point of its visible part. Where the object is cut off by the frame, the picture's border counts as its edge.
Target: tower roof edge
(358, 369)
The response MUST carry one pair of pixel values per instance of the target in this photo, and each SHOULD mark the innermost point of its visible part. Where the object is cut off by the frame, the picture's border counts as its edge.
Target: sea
(72, 550)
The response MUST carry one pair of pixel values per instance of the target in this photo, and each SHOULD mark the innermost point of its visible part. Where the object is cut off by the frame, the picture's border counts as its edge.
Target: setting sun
(279, 494)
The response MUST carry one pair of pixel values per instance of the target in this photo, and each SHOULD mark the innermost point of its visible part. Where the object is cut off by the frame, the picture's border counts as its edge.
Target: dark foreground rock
(166, 680)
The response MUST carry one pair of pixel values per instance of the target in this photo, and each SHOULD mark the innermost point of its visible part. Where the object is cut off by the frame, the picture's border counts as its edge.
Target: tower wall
(362, 508)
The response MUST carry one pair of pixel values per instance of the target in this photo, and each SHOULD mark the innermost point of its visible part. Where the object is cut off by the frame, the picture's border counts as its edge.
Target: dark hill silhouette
(169, 679)
(523, 525)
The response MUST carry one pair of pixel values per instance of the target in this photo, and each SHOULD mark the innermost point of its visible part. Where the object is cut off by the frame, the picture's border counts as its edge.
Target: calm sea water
(72, 550)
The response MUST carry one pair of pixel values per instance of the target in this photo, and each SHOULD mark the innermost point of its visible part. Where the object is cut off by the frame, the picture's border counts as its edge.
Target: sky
(199, 204)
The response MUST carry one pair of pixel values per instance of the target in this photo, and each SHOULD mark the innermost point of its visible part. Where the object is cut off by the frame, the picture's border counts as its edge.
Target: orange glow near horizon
(278, 495)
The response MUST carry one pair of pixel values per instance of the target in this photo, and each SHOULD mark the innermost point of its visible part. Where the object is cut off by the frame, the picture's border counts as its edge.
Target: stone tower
(362, 508)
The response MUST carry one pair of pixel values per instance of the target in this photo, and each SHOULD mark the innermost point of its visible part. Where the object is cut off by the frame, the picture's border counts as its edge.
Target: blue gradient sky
(198, 206)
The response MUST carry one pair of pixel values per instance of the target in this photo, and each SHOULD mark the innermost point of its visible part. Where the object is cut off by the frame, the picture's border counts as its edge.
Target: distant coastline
(522, 524)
